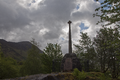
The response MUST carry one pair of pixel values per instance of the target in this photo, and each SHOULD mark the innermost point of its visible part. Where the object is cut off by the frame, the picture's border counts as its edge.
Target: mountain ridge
(16, 50)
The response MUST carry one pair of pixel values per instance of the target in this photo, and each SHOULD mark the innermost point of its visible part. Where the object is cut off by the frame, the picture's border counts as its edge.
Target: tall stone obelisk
(70, 60)
(70, 41)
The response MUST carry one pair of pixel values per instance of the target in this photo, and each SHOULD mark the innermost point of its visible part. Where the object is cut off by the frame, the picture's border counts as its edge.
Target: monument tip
(69, 22)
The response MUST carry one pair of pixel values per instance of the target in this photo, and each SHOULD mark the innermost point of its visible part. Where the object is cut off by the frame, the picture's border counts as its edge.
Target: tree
(106, 46)
(1, 53)
(110, 12)
(7, 67)
(52, 54)
(85, 50)
(110, 15)
(100, 42)
(32, 64)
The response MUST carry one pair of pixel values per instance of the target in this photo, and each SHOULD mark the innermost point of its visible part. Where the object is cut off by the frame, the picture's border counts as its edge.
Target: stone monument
(70, 60)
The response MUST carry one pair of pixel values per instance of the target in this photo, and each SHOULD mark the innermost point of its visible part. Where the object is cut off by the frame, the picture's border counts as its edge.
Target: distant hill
(16, 50)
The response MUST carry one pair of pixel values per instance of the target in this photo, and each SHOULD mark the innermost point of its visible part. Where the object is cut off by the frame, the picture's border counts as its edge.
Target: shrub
(7, 70)
(79, 75)
(104, 77)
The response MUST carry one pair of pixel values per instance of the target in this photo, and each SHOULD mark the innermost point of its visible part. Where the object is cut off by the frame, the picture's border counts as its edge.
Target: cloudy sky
(46, 20)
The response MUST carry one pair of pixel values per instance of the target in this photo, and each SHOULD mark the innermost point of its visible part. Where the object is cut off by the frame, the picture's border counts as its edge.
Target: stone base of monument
(69, 62)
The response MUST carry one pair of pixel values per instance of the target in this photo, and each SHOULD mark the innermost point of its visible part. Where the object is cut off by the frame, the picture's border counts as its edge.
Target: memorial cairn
(70, 60)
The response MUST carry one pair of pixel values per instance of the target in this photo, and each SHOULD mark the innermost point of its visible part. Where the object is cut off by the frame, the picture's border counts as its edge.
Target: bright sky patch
(83, 27)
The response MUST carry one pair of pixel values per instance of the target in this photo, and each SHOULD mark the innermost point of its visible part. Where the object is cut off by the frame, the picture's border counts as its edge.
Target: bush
(7, 70)
(79, 75)
(76, 73)
(104, 77)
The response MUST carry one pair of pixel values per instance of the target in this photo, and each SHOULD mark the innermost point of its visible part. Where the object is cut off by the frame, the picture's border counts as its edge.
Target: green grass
(83, 76)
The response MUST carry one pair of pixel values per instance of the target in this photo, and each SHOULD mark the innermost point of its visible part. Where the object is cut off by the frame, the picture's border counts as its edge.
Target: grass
(82, 76)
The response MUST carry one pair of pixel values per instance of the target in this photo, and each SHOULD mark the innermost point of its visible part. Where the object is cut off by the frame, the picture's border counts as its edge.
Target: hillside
(16, 50)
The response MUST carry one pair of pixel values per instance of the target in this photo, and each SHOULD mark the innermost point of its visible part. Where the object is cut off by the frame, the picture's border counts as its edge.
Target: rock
(49, 77)
(52, 76)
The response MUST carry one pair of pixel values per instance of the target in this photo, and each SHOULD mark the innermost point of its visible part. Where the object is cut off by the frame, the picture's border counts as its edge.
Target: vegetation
(42, 62)
(35, 63)
(102, 52)
(79, 75)
(107, 40)
(16, 50)
(32, 65)
(107, 47)
(109, 12)
(85, 51)
(8, 67)
(51, 58)
(89, 75)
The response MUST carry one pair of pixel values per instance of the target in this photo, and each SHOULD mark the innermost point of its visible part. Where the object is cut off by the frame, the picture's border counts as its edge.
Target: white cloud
(46, 20)
(29, 4)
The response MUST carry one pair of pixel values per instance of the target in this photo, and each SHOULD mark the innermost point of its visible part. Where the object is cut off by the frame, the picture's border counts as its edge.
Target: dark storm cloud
(12, 16)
